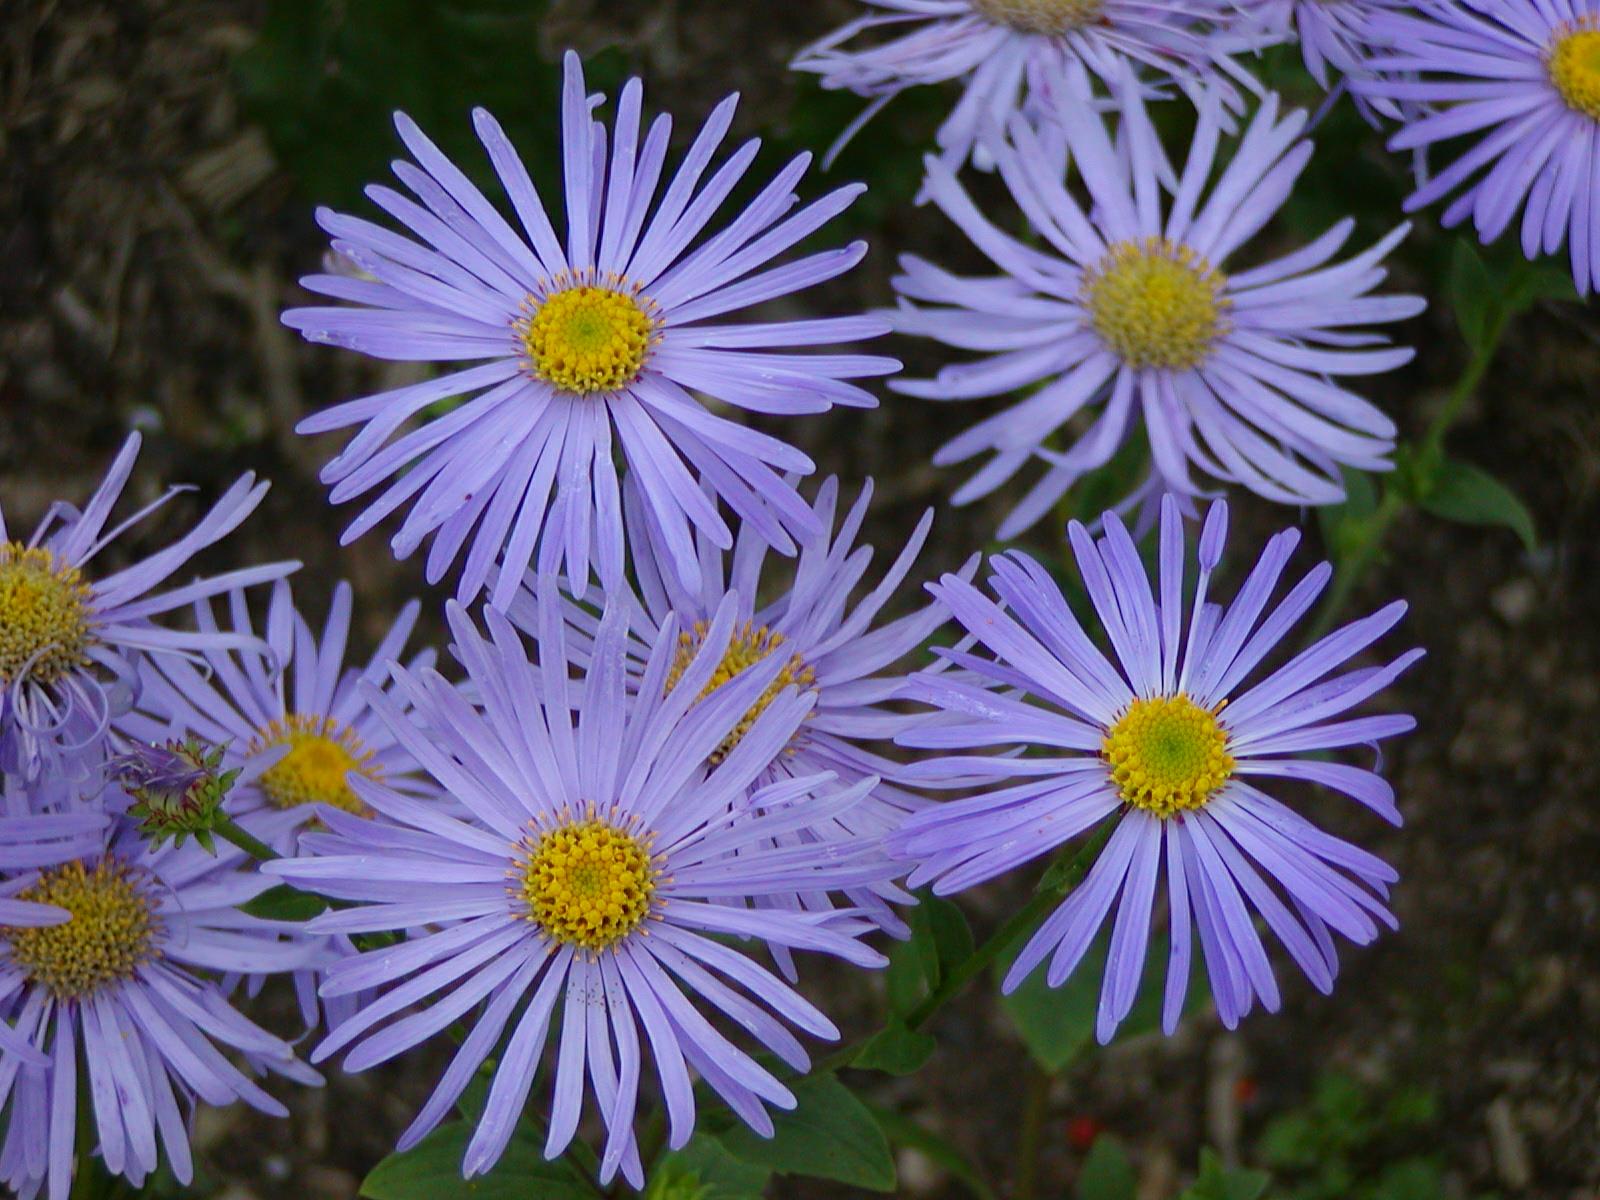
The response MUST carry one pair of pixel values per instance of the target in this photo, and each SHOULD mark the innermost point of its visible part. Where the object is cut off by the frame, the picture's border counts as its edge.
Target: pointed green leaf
(703, 1170)
(432, 1169)
(1216, 1182)
(285, 903)
(1473, 293)
(895, 1050)
(1106, 1173)
(1462, 492)
(903, 1131)
(829, 1135)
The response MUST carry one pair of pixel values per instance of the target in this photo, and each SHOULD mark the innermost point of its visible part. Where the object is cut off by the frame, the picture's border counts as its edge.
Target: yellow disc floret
(1167, 754)
(316, 770)
(1041, 16)
(1575, 70)
(1155, 303)
(748, 646)
(586, 883)
(44, 615)
(112, 930)
(587, 339)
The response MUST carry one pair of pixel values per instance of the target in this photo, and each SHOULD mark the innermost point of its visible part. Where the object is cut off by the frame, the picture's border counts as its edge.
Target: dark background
(159, 163)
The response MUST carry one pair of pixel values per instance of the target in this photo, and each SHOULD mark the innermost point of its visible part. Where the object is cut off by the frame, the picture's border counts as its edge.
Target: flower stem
(229, 830)
(1030, 1139)
(1401, 491)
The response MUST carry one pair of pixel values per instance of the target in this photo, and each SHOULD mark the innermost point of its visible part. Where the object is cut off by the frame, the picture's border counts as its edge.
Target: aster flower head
(121, 994)
(176, 787)
(831, 650)
(1167, 738)
(1334, 43)
(609, 335)
(1523, 81)
(596, 861)
(70, 635)
(296, 727)
(1036, 58)
(1129, 311)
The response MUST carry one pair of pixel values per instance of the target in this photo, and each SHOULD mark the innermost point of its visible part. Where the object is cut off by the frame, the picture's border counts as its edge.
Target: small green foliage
(1459, 491)
(703, 1170)
(1346, 526)
(1347, 1144)
(1107, 1174)
(940, 938)
(1474, 295)
(432, 1169)
(1057, 1024)
(895, 1050)
(285, 903)
(828, 1135)
(1216, 1182)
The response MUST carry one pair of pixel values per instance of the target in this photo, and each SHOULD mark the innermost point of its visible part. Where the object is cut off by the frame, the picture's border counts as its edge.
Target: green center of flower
(1155, 303)
(1041, 16)
(317, 768)
(44, 615)
(586, 883)
(112, 930)
(1575, 70)
(747, 647)
(587, 339)
(1167, 755)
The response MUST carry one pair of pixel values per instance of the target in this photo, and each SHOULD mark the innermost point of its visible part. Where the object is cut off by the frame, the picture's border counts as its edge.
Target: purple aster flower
(1333, 42)
(832, 652)
(297, 726)
(297, 729)
(1034, 57)
(68, 640)
(609, 336)
(597, 863)
(120, 995)
(1166, 739)
(1524, 80)
(1127, 311)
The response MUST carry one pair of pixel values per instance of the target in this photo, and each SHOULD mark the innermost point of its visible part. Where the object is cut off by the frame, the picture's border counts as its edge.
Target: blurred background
(159, 166)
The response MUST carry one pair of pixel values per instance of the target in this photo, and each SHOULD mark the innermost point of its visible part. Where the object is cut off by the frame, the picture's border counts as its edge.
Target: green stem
(1031, 1137)
(229, 830)
(1398, 493)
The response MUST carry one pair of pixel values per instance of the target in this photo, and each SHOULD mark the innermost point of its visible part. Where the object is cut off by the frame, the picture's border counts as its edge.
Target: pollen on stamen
(1574, 65)
(1156, 303)
(587, 339)
(113, 929)
(316, 770)
(748, 646)
(45, 629)
(1042, 16)
(587, 883)
(1167, 755)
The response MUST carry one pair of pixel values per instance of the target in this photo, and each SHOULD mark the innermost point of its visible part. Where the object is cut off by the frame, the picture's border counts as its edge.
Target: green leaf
(285, 903)
(895, 1050)
(1344, 525)
(1106, 1174)
(940, 938)
(433, 1168)
(903, 1131)
(703, 1170)
(829, 1135)
(1216, 1182)
(1474, 294)
(1057, 1024)
(1462, 492)
(1535, 281)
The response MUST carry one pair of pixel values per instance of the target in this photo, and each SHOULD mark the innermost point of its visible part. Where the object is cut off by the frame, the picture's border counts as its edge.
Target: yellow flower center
(1167, 755)
(322, 754)
(747, 647)
(587, 339)
(1156, 303)
(586, 883)
(44, 615)
(112, 930)
(1042, 16)
(1575, 70)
